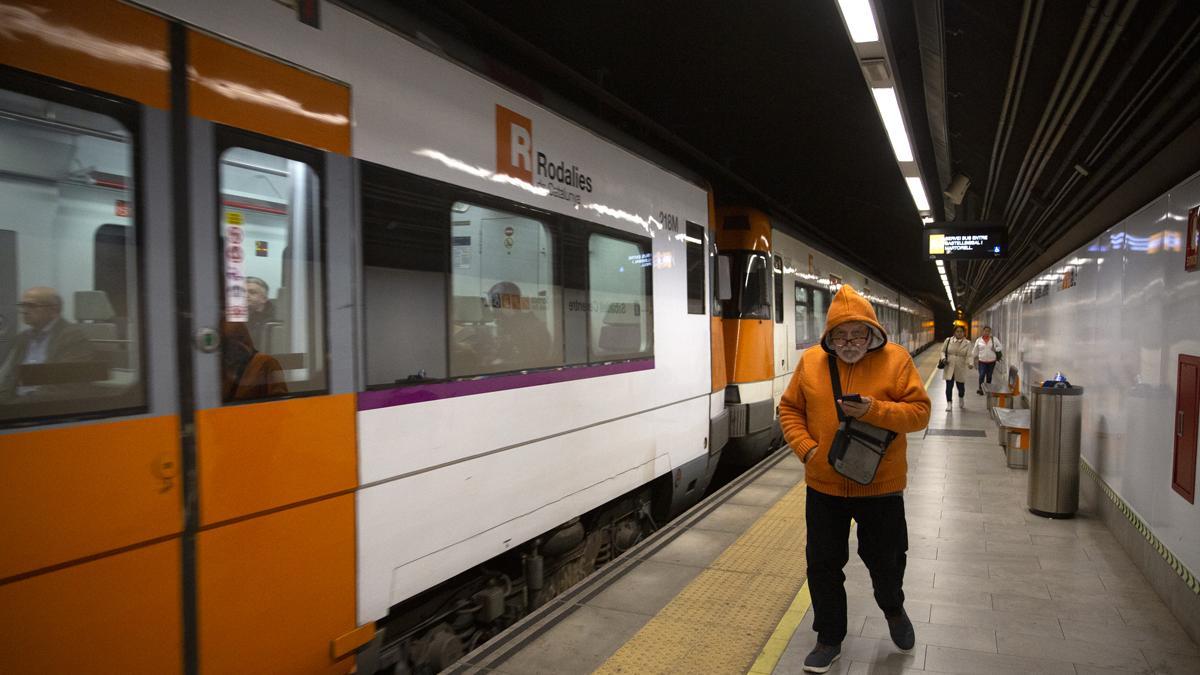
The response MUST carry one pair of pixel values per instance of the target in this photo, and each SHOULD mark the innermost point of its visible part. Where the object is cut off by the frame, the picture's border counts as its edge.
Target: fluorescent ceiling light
(918, 192)
(860, 20)
(893, 122)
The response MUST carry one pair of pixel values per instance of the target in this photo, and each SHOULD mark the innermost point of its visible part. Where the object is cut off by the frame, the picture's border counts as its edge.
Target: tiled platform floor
(992, 588)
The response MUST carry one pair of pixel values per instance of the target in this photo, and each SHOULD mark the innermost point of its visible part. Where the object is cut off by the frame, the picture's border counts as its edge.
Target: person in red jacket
(894, 398)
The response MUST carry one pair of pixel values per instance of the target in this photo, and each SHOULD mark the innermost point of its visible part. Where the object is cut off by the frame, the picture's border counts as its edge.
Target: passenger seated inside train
(261, 321)
(32, 372)
(521, 339)
(247, 374)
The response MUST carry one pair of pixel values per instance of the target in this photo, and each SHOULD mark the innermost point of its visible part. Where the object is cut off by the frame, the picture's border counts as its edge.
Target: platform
(990, 587)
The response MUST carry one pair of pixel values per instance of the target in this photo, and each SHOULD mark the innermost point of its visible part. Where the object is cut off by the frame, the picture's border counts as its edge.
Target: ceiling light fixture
(860, 20)
(917, 188)
(893, 122)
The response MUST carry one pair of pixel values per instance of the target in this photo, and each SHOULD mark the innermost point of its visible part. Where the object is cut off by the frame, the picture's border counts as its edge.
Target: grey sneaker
(821, 658)
(902, 631)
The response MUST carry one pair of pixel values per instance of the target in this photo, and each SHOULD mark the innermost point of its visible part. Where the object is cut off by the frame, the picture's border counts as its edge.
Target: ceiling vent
(877, 73)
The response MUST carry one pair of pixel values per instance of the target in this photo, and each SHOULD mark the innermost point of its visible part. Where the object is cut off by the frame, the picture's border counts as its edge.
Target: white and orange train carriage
(339, 344)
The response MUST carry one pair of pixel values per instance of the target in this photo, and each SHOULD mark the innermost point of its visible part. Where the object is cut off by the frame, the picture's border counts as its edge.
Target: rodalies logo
(517, 157)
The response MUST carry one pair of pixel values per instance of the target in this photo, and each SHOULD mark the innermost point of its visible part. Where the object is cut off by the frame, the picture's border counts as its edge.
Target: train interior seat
(621, 332)
(95, 316)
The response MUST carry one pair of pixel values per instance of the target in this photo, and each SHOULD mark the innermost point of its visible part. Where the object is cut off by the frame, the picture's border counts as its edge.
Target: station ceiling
(1066, 115)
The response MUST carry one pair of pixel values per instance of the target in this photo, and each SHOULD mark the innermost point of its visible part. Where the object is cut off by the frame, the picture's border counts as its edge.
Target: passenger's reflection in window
(521, 337)
(247, 374)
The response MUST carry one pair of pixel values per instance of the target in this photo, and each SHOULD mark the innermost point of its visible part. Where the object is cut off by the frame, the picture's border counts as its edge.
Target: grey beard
(851, 355)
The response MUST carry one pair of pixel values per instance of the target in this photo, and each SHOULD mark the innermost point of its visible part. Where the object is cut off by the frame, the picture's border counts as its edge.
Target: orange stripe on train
(237, 87)
(275, 591)
(120, 614)
(266, 455)
(101, 44)
(71, 492)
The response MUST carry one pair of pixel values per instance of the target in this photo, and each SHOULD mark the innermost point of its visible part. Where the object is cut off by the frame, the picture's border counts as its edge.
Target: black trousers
(882, 544)
(985, 372)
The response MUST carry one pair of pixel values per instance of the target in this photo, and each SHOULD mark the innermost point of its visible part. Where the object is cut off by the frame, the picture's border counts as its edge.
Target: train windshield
(750, 276)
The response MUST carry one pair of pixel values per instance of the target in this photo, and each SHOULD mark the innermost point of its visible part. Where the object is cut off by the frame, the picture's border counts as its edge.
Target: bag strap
(945, 348)
(837, 386)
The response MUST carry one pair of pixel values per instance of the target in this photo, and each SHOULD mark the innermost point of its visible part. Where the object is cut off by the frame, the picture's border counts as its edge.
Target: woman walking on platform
(986, 353)
(957, 351)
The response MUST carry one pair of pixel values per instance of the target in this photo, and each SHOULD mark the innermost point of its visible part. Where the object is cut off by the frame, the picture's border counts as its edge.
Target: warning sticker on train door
(234, 270)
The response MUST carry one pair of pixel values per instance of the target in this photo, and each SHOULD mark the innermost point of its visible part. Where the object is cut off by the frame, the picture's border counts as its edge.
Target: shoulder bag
(945, 356)
(858, 447)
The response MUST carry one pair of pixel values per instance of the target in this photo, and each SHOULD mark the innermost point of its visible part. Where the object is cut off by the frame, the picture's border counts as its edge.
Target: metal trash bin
(1055, 433)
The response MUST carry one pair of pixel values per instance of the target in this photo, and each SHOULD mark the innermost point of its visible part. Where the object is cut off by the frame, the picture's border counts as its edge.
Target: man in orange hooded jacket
(894, 398)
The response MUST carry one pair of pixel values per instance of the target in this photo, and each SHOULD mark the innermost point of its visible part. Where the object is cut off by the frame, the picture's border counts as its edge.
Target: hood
(848, 305)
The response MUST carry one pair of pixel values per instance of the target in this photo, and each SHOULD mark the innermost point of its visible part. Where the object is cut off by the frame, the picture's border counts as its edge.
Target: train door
(265, 256)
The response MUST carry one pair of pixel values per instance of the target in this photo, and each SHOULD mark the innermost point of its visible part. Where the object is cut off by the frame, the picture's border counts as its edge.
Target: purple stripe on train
(420, 393)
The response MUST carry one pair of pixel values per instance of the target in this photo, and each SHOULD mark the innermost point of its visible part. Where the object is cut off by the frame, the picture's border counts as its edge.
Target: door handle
(1179, 423)
(166, 468)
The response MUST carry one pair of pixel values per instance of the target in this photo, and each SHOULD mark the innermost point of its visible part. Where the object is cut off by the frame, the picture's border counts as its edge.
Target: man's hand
(856, 409)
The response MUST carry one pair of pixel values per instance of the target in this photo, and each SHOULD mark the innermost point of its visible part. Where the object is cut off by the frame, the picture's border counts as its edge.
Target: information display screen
(965, 241)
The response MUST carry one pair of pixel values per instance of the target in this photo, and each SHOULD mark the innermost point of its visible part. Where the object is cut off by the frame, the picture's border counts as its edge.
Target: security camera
(958, 189)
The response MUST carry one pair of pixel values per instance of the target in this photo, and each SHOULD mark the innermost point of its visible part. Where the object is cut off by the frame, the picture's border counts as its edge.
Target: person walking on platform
(957, 351)
(986, 352)
(881, 388)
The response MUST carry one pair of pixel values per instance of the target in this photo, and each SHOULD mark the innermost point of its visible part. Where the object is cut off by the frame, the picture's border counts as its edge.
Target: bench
(1004, 394)
(1015, 422)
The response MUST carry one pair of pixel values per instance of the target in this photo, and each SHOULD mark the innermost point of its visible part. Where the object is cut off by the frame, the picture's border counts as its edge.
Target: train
(320, 347)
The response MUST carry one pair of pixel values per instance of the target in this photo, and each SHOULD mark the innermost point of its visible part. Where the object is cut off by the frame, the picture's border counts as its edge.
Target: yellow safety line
(718, 622)
(771, 652)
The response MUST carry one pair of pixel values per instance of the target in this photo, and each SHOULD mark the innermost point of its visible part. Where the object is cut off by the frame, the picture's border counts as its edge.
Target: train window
(778, 276)
(750, 277)
(273, 328)
(694, 239)
(505, 307)
(406, 260)
(811, 306)
(620, 325)
(70, 331)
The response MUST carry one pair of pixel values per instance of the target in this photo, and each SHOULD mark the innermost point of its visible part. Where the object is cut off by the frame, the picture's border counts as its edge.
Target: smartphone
(852, 397)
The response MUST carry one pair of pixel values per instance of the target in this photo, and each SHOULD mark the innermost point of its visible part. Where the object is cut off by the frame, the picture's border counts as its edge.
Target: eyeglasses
(856, 341)
(32, 305)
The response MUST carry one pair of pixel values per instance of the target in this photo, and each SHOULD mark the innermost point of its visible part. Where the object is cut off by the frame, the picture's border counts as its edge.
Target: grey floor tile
(872, 650)
(1136, 637)
(857, 668)
(1081, 669)
(942, 635)
(968, 569)
(646, 589)
(1172, 664)
(695, 547)
(729, 517)
(1150, 617)
(780, 478)
(1073, 651)
(1114, 598)
(1028, 587)
(578, 644)
(1062, 609)
(758, 495)
(948, 660)
(941, 596)
(1062, 580)
(1012, 622)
